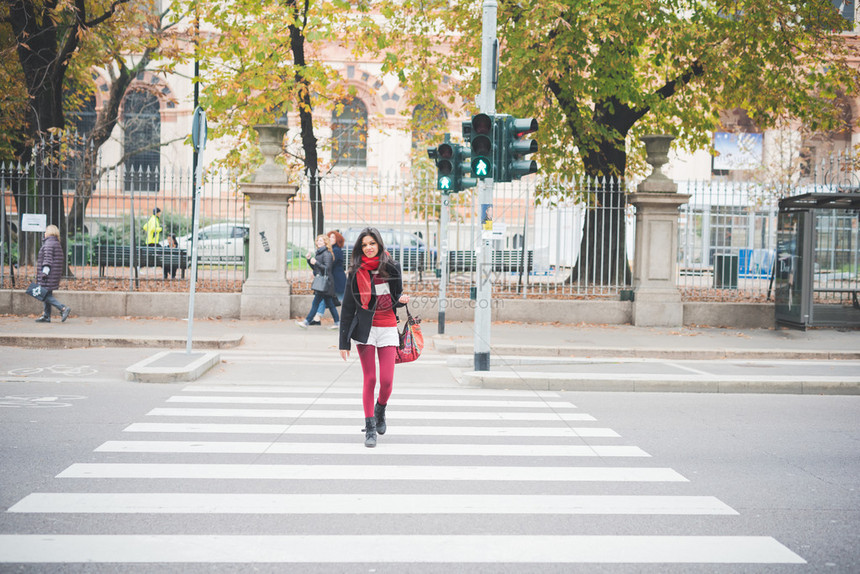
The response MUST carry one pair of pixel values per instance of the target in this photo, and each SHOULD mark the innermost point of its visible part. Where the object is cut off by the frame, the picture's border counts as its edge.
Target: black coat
(50, 254)
(355, 322)
(339, 273)
(324, 265)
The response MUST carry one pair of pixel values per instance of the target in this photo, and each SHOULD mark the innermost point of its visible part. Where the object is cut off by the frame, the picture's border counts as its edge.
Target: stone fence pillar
(656, 299)
(266, 292)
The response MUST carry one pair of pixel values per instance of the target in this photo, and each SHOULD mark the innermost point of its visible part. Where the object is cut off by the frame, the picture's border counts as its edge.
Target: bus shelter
(816, 267)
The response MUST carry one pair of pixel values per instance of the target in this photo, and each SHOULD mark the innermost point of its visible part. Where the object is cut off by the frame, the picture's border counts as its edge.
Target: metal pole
(198, 136)
(483, 241)
(443, 261)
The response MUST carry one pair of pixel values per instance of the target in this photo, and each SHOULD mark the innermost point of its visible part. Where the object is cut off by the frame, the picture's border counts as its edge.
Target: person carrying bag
(374, 289)
(322, 262)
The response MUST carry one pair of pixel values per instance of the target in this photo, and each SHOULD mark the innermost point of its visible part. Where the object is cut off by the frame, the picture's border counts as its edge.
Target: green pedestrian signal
(451, 167)
(444, 157)
(481, 145)
(481, 167)
(513, 146)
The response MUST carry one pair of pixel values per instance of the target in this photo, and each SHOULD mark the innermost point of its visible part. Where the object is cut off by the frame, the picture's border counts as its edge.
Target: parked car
(407, 248)
(218, 243)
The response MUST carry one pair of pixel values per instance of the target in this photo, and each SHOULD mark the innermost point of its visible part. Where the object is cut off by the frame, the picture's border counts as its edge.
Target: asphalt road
(466, 480)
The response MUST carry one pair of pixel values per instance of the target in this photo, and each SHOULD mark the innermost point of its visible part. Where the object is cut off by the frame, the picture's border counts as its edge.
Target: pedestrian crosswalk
(476, 456)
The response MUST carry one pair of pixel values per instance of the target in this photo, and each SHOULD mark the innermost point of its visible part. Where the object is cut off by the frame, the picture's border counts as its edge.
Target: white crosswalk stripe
(204, 503)
(473, 403)
(315, 429)
(370, 472)
(350, 415)
(449, 452)
(391, 549)
(391, 449)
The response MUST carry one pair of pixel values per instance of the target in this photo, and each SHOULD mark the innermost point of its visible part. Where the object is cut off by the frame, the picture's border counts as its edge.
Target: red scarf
(362, 276)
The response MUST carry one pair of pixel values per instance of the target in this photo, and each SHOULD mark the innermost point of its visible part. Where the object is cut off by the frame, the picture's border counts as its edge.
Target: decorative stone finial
(657, 154)
(271, 140)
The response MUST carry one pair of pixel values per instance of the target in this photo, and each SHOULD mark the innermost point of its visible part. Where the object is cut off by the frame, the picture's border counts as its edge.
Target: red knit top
(384, 315)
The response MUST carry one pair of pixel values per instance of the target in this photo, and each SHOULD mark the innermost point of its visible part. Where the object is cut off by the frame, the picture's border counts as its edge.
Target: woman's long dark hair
(384, 258)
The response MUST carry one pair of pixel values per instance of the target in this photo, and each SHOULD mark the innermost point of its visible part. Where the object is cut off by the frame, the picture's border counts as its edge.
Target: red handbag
(411, 340)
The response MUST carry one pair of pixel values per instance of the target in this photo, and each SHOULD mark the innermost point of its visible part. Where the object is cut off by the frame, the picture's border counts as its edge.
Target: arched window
(428, 124)
(142, 123)
(80, 123)
(349, 135)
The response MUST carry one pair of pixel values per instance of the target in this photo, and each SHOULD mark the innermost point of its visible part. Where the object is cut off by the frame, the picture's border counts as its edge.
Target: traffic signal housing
(443, 155)
(451, 167)
(513, 146)
(481, 145)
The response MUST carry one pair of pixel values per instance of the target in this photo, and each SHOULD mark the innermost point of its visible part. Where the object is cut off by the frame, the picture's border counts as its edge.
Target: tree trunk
(603, 249)
(305, 107)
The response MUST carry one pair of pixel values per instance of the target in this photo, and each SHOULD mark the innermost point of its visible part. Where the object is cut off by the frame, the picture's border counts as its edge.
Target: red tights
(368, 369)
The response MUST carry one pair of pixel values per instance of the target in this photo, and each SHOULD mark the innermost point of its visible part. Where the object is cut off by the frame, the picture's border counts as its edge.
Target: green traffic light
(445, 183)
(481, 144)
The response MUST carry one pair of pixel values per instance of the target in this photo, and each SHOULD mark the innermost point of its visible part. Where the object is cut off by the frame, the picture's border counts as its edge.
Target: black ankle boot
(379, 414)
(370, 432)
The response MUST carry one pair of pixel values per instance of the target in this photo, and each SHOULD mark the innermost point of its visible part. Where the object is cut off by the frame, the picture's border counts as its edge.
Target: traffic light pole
(484, 242)
(443, 260)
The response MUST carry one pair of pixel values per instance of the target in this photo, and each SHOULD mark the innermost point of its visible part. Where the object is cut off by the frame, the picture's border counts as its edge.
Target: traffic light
(445, 174)
(451, 167)
(513, 146)
(461, 167)
(481, 144)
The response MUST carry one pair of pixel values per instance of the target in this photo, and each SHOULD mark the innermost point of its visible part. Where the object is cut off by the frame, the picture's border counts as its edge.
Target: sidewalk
(544, 355)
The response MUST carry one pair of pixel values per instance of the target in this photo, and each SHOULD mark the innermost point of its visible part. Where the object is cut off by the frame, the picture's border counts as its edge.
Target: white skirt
(382, 337)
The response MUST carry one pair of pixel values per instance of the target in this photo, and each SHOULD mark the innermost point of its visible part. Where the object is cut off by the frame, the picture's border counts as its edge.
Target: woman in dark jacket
(339, 275)
(374, 288)
(323, 264)
(49, 269)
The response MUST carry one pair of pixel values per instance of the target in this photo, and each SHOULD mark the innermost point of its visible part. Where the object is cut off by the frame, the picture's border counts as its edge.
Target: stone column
(266, 292)
(656, 299)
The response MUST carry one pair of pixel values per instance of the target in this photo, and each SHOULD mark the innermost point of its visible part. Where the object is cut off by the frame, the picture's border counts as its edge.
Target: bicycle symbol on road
(68, 370)
(38, 401)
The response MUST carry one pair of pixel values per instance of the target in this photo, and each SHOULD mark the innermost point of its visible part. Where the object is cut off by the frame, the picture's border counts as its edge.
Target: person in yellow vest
(153, 228)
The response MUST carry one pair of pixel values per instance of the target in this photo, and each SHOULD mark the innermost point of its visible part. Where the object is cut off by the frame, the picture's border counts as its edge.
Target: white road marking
(209, 503)
(498, 404)
(357, 447)
(351, 414)
(370, 472)
(305, 429)
(333, 549)
(354, 389)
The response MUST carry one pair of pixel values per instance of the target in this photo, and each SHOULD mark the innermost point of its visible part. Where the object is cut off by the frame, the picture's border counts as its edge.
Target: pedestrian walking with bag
(374, 288)
(337, 241)
(49, 269)
(322, 262)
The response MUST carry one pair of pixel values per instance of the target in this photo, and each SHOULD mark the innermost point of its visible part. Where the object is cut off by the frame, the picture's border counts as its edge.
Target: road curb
(662, 383)
(172, 367)
(447, 347)
(85, 341)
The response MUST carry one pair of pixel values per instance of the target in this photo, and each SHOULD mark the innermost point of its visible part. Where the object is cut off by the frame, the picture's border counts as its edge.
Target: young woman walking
(374, 289)
(322, 262)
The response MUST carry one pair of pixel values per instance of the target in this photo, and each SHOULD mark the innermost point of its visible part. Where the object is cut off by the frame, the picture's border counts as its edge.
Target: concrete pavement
(523, 355)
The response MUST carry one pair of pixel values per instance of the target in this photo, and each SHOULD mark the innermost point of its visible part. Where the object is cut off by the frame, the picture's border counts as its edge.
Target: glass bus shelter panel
(792, 301)
(836, 277)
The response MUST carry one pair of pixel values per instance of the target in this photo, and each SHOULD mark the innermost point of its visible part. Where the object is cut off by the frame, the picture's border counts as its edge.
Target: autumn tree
(52, 49)
(126, 47)
(47, 35)
(600, 73)
(262, 59)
